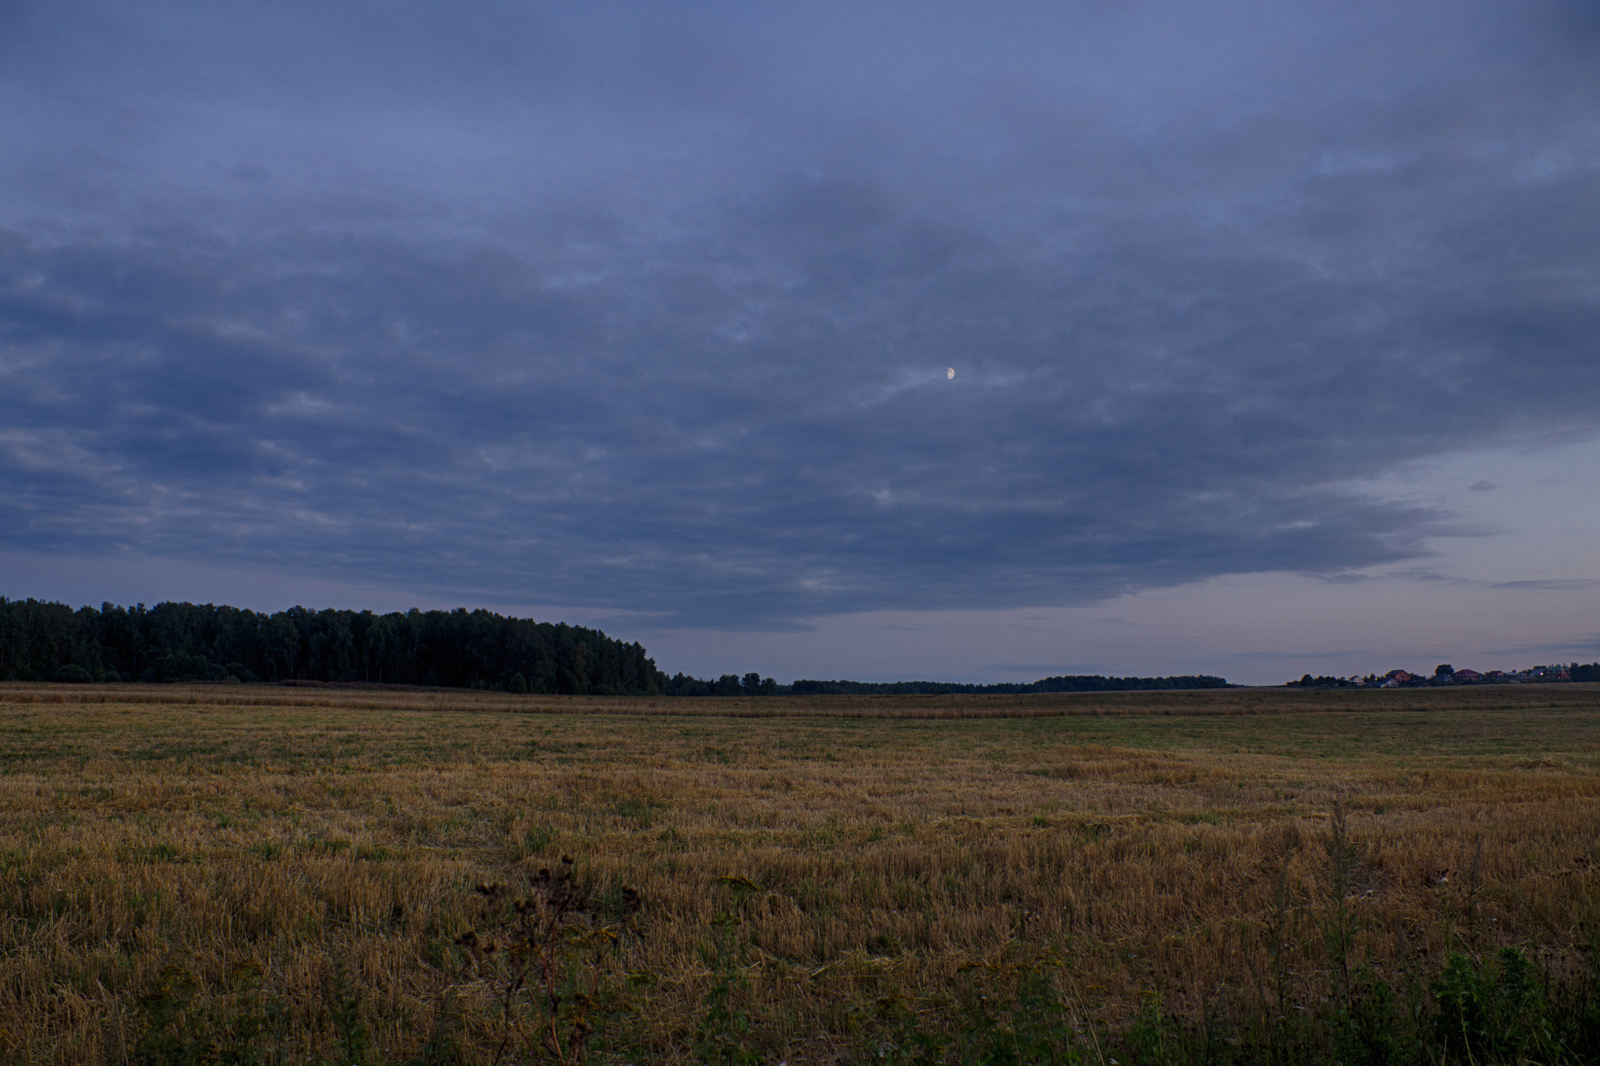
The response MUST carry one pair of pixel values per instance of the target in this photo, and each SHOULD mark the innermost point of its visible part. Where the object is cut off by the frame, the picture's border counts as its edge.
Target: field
(249, 874)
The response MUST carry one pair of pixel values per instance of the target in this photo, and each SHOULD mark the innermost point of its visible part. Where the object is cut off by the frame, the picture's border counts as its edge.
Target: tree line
(756, 685)
(46, 641)
(42, 641)
(1073, 683)
(751, 684)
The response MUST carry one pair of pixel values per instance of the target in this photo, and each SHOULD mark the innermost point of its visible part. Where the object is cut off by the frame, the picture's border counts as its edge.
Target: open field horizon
(1236, 700)
(173, 858)
(506, 350)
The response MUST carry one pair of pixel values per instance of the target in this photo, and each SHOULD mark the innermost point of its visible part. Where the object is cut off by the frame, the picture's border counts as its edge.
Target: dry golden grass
(1167, 842)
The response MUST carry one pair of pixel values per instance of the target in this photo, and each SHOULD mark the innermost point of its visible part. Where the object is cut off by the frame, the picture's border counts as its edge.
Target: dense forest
(187, 642)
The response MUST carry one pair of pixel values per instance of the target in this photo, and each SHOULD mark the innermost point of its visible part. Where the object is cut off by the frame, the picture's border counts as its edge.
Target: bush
(184, 1023)
(178, 666)
(242, 673)
(1493, 1012)
(73, 674)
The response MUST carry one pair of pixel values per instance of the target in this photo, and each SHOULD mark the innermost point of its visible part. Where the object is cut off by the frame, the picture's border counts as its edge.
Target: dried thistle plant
(553, 954)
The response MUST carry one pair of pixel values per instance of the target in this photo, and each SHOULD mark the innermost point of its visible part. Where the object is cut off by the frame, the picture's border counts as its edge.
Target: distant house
(1399, 677)
(1468, 675)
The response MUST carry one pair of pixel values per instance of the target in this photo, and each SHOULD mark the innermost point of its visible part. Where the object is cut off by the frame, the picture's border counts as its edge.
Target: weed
(1489, 1013)
(723, 1031)
(552, 955)
(539, 839)
(180, 1026)
(446, 1042)
(353, 1037)
(638, 809)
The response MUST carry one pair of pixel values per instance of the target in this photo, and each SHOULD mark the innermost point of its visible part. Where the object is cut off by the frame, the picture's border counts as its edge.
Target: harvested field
(813, 871)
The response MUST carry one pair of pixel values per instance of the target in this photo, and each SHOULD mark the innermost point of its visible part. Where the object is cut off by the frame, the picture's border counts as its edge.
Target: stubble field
(254, 874)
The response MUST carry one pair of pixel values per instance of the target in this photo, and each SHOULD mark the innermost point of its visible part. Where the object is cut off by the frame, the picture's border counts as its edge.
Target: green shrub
(241, 672)
(1494, 1012)
(181, 1025)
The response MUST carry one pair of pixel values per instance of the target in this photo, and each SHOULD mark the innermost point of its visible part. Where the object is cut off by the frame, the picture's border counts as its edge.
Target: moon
(950, 373)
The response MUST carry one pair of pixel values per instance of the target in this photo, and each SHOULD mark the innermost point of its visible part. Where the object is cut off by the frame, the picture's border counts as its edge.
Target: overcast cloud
(648, 307)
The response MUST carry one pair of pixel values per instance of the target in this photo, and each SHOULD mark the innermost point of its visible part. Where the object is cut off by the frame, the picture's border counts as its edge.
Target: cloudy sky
(1275, 325)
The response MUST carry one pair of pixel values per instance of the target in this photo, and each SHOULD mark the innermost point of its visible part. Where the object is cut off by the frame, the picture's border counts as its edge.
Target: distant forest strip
(1074, 683)
(756, 685)
(171, 642)
(188, 642)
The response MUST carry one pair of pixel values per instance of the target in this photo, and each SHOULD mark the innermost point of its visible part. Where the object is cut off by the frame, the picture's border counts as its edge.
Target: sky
(1275, 326)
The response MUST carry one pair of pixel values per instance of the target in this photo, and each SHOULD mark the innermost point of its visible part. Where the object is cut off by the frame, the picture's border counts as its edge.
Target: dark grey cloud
(1288, 656)
(649, 306)
(1559, 650)
(1566, 584)
(1423, 575)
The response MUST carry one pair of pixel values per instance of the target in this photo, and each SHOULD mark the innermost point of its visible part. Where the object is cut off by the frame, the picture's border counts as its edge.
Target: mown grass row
(1199, 703)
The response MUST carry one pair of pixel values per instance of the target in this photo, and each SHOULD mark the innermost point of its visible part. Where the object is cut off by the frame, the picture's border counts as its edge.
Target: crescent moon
(950, 373)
